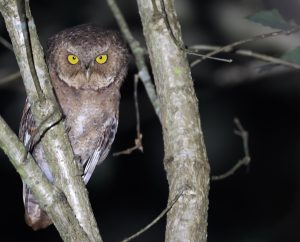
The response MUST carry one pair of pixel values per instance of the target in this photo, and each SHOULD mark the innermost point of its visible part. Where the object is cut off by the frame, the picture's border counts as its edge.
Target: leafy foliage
(292, 56)
(271, 18)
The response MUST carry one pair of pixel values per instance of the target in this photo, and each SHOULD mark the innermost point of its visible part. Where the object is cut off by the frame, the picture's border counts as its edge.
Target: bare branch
(138, 140)
(10, 78)
(231, 46)
(138, 53)
(191, 51)
(160, 216)
(248, 53)
(246, 159)
(176, 41)
(5, 43)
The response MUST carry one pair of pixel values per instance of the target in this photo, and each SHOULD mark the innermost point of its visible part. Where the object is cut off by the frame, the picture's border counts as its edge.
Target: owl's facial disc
(90, 66)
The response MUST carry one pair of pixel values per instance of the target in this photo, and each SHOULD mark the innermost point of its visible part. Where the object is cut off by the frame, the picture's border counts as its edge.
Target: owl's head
(87, 57)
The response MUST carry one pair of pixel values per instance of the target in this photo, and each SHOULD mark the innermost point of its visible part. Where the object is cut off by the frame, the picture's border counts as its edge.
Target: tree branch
(58, 151)
(185, 154)
(5, 43)
(248, 53)
(10, 78)
(50, 198)
(246, 159)
(138, 140)
(233, 45)
(160, 216)
(138, 53)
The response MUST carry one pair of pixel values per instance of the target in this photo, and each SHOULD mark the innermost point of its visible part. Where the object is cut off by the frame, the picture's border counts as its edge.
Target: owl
(87, 66)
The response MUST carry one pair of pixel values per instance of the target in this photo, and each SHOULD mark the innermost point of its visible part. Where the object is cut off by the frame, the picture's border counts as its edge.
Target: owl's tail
(35, 217)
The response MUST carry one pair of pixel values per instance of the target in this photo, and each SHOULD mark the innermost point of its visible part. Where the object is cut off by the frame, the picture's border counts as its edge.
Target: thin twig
(180, 44)
(243, 162)
(138, 140)
(6, 44)
(138, 53)
(231, 46)
(161, 215)
(249, 53)
(193, 52)
(10, 77)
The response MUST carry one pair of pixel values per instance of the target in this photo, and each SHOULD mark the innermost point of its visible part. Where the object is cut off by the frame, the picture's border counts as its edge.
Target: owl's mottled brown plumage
(88, 93)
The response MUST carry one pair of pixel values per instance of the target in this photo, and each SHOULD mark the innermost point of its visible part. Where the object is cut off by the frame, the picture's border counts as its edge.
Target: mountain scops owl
(87, 66)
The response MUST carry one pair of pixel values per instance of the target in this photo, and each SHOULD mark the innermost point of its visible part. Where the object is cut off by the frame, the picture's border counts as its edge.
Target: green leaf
(271, 18)
(292, 55)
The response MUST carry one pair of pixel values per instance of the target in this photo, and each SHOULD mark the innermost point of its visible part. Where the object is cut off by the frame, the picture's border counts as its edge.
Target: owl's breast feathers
(89, 116)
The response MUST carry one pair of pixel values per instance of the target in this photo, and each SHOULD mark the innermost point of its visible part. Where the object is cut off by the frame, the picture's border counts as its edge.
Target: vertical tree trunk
(185, 154)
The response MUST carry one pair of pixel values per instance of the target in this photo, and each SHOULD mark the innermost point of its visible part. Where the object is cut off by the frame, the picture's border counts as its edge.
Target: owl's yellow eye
(73, 59)
(101, 59)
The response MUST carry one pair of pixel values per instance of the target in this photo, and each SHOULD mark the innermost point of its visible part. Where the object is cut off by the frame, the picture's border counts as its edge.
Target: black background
(256, 204)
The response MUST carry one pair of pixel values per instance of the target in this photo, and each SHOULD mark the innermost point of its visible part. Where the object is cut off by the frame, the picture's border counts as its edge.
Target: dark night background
(258, 204)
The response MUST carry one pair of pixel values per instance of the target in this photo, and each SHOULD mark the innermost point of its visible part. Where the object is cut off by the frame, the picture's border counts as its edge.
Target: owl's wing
(35, 217)
(103, 147)
(27, 126)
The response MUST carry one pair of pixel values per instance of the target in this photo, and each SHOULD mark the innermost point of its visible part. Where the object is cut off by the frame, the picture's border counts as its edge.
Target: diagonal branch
(245, 161)
(51, 199)
(248, 53)
(5, 43)
(233, 45)
(58, 151)
(138, 53)
(138, 140)
(160, 216)
(10, 77)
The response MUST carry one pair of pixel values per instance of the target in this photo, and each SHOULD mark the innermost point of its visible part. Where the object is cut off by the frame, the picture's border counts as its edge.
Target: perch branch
(233, 45)
(58, 151)
(51, 199)
(240, 131)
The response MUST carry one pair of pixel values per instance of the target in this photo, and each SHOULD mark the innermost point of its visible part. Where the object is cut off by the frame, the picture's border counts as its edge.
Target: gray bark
(185, 161)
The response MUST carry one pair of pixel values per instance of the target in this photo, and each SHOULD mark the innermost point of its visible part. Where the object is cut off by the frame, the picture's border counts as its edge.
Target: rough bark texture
(185, 154)
(28, 51)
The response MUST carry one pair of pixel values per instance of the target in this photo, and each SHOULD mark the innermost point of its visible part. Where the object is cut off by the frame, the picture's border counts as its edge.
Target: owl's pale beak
(88, 73)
